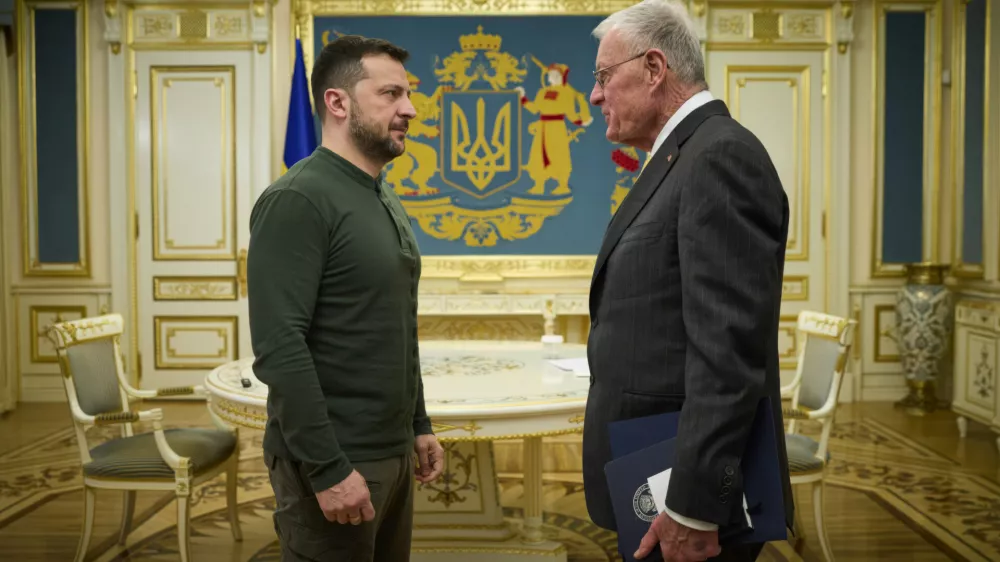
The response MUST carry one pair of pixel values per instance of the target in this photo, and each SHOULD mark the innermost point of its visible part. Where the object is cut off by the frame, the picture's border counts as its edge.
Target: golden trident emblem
(479, 159)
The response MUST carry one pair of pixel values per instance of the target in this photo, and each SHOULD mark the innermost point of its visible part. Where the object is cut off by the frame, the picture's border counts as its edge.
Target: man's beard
(371, 140)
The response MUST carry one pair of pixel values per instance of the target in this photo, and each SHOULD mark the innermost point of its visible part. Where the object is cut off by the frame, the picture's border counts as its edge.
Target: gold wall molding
(804, 25)
(188, 24)
(303, 12)
(931, 129)
(960, 268)
(9, 374)
(32, 357)
(788, 341)
(845, 25)
(192, 288)
(798, 80)
(453, 7)
(32, 265)
(171, 354)
(480, 328)
(885, 334)
(208, 81)
(43, 316)
(795, 288)
(877, 370)
(499, 268)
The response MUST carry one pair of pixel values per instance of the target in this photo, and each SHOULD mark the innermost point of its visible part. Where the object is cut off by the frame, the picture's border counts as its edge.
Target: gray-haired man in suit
(686, 292)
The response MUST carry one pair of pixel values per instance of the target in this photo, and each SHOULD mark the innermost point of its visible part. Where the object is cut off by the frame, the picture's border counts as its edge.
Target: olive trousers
(306, 535)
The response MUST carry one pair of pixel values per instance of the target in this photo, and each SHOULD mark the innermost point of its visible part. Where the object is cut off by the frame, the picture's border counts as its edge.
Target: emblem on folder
(643, 504)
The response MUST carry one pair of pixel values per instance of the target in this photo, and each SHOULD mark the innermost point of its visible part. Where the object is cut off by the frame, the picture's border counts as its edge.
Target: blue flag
(300, 135)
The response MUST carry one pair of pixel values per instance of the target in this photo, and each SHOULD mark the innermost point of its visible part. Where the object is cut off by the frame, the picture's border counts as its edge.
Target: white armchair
(814, 393)
(171, 460)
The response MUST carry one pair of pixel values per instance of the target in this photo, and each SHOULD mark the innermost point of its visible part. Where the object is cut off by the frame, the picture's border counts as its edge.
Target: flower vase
(924, 309)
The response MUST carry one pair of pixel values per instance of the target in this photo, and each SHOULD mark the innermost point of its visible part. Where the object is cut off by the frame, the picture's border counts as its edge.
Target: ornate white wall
(874, 284)
(231, 63)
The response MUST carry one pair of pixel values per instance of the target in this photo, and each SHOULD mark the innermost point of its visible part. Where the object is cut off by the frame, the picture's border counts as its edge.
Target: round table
(476, 392)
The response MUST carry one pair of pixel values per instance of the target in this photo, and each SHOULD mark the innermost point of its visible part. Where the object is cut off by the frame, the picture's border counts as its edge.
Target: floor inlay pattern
(929, 504)
(957, 510)
(585, 541)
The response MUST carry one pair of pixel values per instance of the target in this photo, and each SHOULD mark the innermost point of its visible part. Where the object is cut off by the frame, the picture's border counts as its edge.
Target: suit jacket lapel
(650, 179)
(644, 187)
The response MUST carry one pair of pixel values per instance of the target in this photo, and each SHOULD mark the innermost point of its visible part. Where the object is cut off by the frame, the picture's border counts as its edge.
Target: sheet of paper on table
(578, 365)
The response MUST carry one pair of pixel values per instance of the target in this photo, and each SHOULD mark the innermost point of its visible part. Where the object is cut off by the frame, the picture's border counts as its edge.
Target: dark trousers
(306, 535)
(739, 553)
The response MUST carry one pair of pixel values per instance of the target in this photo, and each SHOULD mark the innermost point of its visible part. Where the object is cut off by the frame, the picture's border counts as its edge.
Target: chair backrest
(822, 359)
(89, 353)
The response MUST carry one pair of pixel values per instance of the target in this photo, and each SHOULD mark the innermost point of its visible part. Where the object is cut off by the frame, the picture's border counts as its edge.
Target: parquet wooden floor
(900, 488)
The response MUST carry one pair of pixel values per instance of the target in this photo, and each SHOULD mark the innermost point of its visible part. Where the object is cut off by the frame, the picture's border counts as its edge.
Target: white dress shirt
(693, 103)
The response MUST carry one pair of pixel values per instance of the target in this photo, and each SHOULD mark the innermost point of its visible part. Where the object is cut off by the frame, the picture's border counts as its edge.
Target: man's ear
(336, 102)
(655, 63)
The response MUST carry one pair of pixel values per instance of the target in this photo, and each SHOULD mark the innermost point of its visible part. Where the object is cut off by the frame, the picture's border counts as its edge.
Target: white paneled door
(193, 198)
(779, 96)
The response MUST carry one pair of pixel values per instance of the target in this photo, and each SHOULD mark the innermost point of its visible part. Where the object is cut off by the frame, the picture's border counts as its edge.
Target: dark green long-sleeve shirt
(332, 274)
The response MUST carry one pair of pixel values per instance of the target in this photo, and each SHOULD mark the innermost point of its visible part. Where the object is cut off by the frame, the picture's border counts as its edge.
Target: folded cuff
(329, 475)
(422, 426)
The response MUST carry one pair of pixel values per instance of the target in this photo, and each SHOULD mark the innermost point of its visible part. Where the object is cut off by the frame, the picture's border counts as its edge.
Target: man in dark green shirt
(333, 269)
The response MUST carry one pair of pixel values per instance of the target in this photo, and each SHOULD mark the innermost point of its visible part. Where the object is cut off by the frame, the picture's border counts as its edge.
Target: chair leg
(824, 543)
(89, 499)
(184, 527)
(128, 510)
(232, 484)
(800, 533)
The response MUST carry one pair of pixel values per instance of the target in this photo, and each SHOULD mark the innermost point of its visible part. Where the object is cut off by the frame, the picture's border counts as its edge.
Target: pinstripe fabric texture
(93, 367)
(819, 358)
(138, 457)
(684, 309)
(802, 453)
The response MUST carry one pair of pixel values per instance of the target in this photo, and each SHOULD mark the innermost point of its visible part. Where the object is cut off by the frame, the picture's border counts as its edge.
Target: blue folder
(642, 447)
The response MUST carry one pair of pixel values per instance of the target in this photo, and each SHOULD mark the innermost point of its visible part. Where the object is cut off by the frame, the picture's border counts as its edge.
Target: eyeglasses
(601, 75)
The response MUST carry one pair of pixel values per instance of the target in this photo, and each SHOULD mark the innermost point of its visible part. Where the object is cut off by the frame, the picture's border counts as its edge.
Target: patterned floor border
(953, 509)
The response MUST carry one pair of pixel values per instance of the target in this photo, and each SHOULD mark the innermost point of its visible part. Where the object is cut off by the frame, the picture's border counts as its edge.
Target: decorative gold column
(532, 533)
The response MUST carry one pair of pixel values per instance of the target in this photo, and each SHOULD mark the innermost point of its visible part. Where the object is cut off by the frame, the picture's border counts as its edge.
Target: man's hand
(677, 542)
(347, 501)
(430, 456)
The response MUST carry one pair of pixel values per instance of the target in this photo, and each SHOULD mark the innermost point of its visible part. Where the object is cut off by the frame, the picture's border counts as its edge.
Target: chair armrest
(133, 392)
(172, 459)
(116, 418)
(801, 414)
(794, 414)
(788, 391)
(155, 416)
(823, 413)
(198, 390)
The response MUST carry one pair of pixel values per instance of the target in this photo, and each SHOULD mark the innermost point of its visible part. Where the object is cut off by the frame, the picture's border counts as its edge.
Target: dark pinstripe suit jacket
(684, 309)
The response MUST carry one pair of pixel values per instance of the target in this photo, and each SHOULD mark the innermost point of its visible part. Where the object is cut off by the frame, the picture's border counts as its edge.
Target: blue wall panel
(56, 128)
(903, 177)
(975, 122)
(497, 210)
